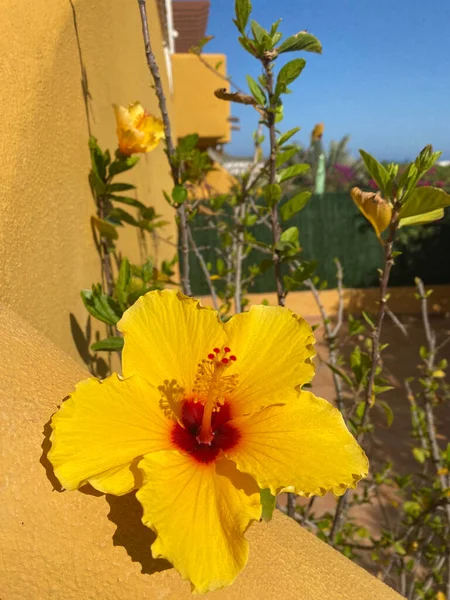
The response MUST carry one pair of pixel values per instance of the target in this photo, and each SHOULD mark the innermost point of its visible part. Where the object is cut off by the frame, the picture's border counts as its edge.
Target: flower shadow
(132, 534)
(125, 513)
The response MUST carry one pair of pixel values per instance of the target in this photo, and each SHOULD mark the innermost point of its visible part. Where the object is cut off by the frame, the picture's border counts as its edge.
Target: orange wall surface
(47, 254)
(196, 108)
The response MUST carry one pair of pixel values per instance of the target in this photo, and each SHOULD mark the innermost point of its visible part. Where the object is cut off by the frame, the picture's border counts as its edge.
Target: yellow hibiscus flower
(137, 130)
(206, 414)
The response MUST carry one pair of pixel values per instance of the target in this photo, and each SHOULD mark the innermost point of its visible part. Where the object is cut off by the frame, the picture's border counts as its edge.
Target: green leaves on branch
(123, 283)
(378, 173)
(288, 74)
(283, 157)
(304, 271)
(423, 219)
(256, 91)
(272, 194)
(106, 230)
(292, 171)
(110, 344)
(101, 306)
(294, 205)
(242, 9)
(284, 137)
(301, 41)
(179, 194)
(424, 200)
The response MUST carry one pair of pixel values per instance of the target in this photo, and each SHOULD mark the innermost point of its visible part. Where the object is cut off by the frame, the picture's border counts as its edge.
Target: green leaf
(123, 282)
(301, 41)
(109, 344)
(290, 71)
(117, 214)
(387, 411)
(282, 157)
(303, 272)
(101, 306)
(99, 160)
(424, 200)
(290, 235)
(187, 144)
(341, 374)
(98, 186)
(119, 187)
(268, 502)
(412, 508)
(179, 194)
(428, 217)
(122, 164)
(294, 205)
(256, 91)
(128, 200)
(261, 35)
(419, 455)
(292, 171)
(272, 194)
(284, 137)
(368, 319)
(376, 170)
(106, 230)
(242, 9)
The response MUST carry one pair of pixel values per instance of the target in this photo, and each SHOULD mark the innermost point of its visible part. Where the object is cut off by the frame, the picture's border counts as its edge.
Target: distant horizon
(382, 78)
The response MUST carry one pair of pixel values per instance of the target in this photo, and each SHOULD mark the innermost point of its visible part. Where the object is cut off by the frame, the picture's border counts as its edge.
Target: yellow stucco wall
(46, 248)
(196, 108)
(88, 546)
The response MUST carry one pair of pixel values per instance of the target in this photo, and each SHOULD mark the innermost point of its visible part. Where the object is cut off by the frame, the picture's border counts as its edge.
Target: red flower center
(185, 436)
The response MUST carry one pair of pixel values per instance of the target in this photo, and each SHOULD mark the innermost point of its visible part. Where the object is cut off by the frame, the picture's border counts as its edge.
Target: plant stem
(104, 250)
(330, 333)
(274, 217)
(376, 334)
(204, 268)
(181, 210)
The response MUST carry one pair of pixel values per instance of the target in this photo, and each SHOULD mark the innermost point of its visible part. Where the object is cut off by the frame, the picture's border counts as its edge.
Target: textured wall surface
(75, 545)
(196, 108)
(47, 252)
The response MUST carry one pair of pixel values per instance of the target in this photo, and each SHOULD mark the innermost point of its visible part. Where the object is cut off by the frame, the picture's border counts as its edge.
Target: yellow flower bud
(137, 130)
(375, 208)
(442, 471)
(317, 132)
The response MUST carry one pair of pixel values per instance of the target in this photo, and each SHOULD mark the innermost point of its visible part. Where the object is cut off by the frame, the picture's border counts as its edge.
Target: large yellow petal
(200, 514)
(274, 349)
(101, 431)
(167, 335)
(303, 446)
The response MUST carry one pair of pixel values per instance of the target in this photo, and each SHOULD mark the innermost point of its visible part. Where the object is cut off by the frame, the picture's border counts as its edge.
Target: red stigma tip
(226, 349)
(211, 356)
(216, 350)
(232, 357)
(224, 360)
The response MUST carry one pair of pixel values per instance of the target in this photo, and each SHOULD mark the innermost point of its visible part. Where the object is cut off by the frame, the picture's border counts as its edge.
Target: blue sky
(383, 77)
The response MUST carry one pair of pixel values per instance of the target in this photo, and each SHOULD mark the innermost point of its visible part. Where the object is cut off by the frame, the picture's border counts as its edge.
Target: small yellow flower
(442, 471)
(317, 132)
(375, 208)
(441, 596)
(137, 130)
(205, 415)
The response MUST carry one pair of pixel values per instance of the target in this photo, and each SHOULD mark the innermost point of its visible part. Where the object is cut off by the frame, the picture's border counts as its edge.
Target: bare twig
(204, 268)
(181, 210)
(216, 72)
(396, 321)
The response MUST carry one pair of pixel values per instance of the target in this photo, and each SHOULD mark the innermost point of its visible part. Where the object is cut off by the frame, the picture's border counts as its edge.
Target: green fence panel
(331, 226)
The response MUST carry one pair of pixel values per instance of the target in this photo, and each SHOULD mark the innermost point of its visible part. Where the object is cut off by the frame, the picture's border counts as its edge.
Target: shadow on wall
(125, 513)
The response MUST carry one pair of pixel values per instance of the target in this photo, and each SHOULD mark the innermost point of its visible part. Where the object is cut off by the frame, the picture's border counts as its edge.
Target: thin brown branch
(216, 72)
(204, 268)
(274, 216)
(396, 321)
(181, 210)
(376, 334)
